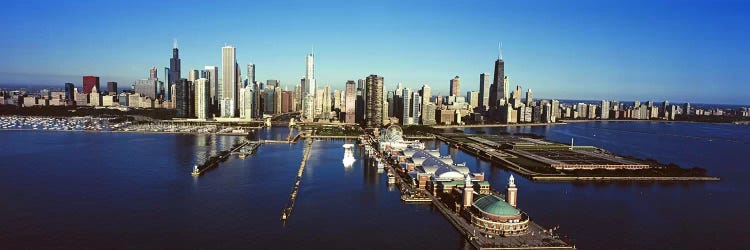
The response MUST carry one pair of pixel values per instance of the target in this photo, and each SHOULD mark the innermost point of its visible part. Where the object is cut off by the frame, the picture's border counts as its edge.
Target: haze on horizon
(624, 50)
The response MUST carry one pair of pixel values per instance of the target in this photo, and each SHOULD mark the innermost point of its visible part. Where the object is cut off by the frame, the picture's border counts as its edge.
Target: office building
(473, 98)
(228, 91)
(89, 83)
(175, 73)
(70, 93)
(152, 73)
(484, 91)
(350, 102)
(501, 90)
(272, 83)
(146, 87)
(406, 114)
(529, 99)
(112, 88)
(455, 86)
(250, 74)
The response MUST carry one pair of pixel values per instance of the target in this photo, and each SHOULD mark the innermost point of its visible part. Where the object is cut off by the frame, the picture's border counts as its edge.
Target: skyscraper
(272, 82)
(473, 98)
(277, 100)
(146, 87)
(182, 98)
(167, 90)
(112, 87)
(89, 82)
(350, 102)
(152, 73)
(406, 114)
(228, 92)
(202, 98)
(455, 86)
(374, 101)
(484, 91)
(337, 99)
(529, 99)
(426, 95)
(500, 91)
(70, 94)
(310, 88)
(250, 74)
(174, 65)
(268, 98)
(193, 75)
(287, 98)
(212, 74)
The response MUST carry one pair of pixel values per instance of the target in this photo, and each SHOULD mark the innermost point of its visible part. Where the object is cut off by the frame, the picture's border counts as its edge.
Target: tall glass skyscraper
(228, 92)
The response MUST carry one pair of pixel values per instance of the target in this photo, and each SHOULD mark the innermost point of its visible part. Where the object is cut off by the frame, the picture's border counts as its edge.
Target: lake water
(104, 190)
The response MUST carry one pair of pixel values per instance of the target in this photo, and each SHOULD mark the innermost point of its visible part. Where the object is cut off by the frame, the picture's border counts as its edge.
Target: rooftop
(494, 205)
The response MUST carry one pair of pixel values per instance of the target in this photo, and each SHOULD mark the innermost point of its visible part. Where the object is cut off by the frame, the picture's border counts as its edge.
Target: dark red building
(89, 82)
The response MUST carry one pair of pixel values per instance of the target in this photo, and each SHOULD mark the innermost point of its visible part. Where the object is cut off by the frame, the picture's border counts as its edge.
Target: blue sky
(660, 50)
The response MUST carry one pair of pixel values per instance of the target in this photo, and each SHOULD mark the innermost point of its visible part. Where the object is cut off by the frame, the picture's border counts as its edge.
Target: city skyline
(582, 64)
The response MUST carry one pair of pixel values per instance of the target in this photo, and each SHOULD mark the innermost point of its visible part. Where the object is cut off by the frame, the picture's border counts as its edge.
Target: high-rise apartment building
(183, 99)
(374, 101)
(202, 98)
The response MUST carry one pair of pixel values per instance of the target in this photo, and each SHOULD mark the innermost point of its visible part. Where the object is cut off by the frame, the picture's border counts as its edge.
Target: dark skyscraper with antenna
(497, 82)
(174, 68)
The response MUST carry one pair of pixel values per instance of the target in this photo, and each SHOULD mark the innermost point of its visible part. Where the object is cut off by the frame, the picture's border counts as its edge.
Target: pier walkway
(295, 189)
(213, 161)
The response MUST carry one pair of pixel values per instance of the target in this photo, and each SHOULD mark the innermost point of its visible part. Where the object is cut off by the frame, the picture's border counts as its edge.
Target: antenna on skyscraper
(500, 51)
(175, 43)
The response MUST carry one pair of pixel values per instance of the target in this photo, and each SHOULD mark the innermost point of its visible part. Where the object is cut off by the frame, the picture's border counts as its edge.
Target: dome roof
(494, 205)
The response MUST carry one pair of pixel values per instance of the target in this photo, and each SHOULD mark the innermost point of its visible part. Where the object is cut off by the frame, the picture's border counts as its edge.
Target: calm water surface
(99, 190)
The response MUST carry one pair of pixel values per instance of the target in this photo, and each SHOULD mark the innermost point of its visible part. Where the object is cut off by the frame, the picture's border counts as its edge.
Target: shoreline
(119, 131)
(498, 125)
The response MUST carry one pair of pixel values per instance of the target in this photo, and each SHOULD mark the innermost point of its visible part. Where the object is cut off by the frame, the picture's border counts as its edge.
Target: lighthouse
(468, 192)
(512, 192)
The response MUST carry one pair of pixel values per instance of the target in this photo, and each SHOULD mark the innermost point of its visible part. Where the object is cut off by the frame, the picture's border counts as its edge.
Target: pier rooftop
(539, 159)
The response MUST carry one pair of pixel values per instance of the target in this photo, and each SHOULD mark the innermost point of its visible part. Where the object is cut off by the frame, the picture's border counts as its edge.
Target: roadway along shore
(498, 125)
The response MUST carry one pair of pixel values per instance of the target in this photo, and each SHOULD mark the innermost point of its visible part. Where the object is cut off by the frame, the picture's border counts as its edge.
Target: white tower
(512, 191)
(468, 192)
